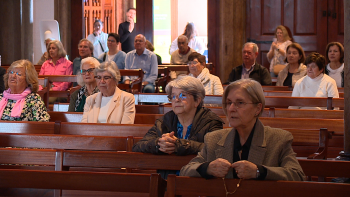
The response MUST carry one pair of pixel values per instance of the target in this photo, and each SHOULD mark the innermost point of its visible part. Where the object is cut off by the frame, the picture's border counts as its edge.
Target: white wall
(193, 11)
(42, 10)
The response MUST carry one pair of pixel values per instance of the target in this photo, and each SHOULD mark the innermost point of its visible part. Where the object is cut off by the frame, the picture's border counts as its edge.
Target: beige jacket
(270, 147)
(211, 83)
(282, 75)
(121, 109)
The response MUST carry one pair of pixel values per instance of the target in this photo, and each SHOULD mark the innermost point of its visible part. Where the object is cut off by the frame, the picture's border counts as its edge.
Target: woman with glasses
(248, 150)
(86, 79)
(182, 130)
(211, 83)
(110, 105)
(315, 83)
(114, 54)
(20, 101)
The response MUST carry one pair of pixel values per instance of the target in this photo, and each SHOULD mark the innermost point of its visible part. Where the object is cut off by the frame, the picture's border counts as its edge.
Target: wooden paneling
(213, 36)
(77, 27)
(305, 17)
(271, 16)
(144, 15)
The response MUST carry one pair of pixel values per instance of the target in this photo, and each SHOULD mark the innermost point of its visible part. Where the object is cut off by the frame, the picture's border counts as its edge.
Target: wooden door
(307, 20)
(103, 10)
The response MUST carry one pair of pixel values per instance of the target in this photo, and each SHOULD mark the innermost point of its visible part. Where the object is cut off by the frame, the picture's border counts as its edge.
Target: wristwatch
(278, 49)
(257, 173)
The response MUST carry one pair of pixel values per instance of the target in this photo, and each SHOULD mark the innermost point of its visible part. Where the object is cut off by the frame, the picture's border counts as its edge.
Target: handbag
(278, 67)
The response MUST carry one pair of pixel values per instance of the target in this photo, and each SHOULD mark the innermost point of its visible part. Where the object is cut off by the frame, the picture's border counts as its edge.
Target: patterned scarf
(83, 91)
(20, 101)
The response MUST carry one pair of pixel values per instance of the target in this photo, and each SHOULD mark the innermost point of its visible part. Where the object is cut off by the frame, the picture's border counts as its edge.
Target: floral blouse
(33, 110)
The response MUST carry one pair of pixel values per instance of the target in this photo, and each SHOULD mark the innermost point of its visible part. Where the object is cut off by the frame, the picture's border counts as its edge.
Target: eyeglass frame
(179, 97)
(237, 106)
(189, 63)
(105, 78)
(83, 71)
(18, 74)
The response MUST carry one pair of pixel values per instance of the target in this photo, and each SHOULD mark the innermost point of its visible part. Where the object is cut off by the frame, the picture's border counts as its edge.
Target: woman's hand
(167, 142)
(245, 169)
(274, 45)
(219, 167)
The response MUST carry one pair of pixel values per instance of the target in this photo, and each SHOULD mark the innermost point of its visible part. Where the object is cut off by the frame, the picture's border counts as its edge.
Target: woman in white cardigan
(315, 83)
(211, 83)
(110, 105)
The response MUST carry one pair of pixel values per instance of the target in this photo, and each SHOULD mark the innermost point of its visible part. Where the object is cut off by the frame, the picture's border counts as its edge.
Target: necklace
(230, 193)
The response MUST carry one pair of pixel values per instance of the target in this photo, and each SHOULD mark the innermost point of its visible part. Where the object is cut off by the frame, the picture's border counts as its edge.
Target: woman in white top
(335, 57)
(110, 105)
(315, 83)
(278, 49)
(193, 41)
(98, 39)
(211, 83)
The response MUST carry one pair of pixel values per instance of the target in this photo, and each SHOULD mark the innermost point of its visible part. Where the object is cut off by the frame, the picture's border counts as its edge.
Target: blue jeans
(149, 88)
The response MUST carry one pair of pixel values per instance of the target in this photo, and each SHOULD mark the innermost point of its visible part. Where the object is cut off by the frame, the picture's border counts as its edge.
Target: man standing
(99, 39)
(180, 56)
(127, 31)
(249, 68)
(142, 58)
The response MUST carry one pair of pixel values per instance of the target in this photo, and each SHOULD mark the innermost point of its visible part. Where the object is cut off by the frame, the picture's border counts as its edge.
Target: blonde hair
(59, 45)
(31, 74)
(284, 33)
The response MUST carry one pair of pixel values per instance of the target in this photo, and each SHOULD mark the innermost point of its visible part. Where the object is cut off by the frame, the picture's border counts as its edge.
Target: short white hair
(111, 67)
(90, 60)
(255, 46)
(191, 85)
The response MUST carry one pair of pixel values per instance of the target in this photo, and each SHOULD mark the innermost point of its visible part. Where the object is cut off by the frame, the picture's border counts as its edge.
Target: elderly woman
(315, 83)
(335, 57)
(20, 102)
(86, 79)
(193, 41)
(295, 68)
(249, 150)
(110, 105)
(57, 64)
(181, 131)
(114, 54)
(277, 52)
(212, 83)
(99, 39)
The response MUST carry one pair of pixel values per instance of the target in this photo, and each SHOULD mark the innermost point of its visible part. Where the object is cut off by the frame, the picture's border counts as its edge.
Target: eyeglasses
(192, 63)
(313, 66)
(105, 78)
(181, 97)
(83, 71)
(17, 73)
(230, 193)
(238, 104)
(111, 40)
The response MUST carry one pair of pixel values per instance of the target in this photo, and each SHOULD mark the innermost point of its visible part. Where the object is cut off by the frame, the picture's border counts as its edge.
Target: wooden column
(77, 27)
(63, 16)
(144, 18)
(345, 155)
(27, 30)
(226, 34)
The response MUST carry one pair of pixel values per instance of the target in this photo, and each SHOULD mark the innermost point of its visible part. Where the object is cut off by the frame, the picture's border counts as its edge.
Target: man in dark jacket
(127, 31)
(249, 68)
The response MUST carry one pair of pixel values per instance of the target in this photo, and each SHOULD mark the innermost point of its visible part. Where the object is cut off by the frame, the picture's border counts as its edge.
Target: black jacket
(204, 121)
(259, 74)
(127, 38)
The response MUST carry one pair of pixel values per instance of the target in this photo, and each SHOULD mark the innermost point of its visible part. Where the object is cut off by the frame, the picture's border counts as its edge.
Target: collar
(250, 69)
(145, 52)
(188, 50)
(58, 61)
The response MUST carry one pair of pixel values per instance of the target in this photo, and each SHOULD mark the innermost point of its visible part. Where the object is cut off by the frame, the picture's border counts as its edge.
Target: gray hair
(91, 46)
(252, 88)
(111, 67)
(183, 37)
(191, 85)
(59, 45)
(90, 60)
(255, 46)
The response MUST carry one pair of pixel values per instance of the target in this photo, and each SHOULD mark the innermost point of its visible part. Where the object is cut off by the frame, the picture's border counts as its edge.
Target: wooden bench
(302, 113)
(289, 93)
(186, 186)
(37, 67)
(28, 127)
(44, 93)
(92, 181)
(136, 85)
(61, 78)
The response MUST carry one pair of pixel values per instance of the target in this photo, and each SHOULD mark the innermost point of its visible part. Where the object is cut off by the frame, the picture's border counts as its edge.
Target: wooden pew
(65, 116)
(289, 93)
(92, 181)
(302, 113)
(37, 67)
(44, 93)
(58, 141)
(136, 85)
(61, 78)
(185, 186)
(28, 127)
